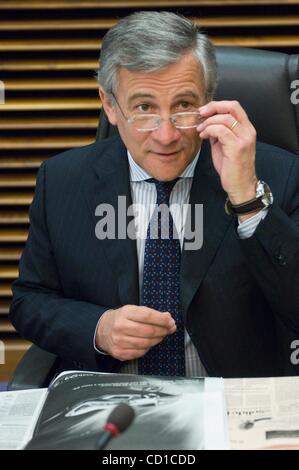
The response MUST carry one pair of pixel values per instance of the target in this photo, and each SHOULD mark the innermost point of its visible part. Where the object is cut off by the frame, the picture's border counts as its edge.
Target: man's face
(163, 153)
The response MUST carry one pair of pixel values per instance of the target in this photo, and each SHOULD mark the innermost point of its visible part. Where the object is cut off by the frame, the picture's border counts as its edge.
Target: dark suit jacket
(240, 298)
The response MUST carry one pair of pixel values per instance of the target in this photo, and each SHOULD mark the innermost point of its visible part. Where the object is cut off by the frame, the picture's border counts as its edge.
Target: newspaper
(263, 413)
(19, 412)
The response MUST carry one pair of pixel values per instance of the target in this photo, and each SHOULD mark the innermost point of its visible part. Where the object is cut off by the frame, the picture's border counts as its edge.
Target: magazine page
(19, 412)
(263, 413)
(169, 413)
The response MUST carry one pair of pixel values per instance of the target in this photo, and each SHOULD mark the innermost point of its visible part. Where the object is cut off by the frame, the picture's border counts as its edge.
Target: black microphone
(118, 421)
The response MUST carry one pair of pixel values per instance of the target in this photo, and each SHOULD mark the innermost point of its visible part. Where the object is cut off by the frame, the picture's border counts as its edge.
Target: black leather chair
(262, 82)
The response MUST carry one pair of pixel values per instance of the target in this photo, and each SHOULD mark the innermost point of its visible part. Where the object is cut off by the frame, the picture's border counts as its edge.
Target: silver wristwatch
(263, 198)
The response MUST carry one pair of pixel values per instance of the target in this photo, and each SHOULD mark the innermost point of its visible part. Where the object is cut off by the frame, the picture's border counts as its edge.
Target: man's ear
(108, 107)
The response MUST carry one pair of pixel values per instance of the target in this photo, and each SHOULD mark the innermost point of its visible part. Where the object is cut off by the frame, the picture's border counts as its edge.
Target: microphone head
(121, 417)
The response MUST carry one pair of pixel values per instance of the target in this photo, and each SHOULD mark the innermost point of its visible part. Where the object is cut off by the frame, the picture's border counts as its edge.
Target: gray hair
(150, 41)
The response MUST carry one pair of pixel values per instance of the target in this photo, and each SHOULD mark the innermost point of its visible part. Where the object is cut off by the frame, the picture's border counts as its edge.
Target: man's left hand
(233, 146)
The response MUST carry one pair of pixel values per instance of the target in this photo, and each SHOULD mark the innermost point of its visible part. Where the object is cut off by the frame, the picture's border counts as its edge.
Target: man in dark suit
(83, 296)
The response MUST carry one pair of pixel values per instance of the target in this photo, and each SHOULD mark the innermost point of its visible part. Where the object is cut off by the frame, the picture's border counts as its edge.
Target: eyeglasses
(152, 122)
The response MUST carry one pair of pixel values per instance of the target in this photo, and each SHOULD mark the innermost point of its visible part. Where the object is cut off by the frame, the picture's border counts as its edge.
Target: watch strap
(244, 208)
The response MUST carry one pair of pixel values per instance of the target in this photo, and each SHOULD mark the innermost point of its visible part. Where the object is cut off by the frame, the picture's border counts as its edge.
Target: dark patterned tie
(161, 285)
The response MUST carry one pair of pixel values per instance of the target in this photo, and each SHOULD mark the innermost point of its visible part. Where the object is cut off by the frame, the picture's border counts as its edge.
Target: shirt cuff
(247, 228)
(100, 351)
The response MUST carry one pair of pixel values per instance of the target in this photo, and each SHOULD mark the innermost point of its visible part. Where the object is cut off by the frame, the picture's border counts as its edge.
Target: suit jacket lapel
(109, 179)
(206, 190)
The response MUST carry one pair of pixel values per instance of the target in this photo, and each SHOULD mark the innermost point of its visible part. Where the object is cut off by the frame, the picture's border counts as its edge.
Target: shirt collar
(137, 173)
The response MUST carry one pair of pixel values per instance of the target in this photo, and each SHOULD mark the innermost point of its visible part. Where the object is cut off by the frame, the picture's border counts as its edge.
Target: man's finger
(131, 342)
(224, 107)
(226, 120)
(151, 317)
(219, 132)
(145, 330)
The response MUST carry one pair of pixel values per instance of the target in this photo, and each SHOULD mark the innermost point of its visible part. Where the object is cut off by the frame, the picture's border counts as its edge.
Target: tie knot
(164, 189)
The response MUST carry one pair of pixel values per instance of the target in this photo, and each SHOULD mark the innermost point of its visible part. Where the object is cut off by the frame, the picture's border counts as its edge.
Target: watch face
(262, 189)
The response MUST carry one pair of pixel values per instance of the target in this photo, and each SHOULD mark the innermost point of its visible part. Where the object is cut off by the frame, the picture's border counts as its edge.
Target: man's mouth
(166, 154)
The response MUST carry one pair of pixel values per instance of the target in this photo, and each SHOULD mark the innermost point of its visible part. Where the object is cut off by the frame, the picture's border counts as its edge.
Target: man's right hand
(130, 331)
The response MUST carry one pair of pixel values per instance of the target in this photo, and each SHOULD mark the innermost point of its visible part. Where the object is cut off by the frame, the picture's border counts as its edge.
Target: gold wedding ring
(234, 124)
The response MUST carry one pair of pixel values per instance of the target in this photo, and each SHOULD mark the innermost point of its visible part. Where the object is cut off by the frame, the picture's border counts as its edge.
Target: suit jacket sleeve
(273, 252)
(39, 311)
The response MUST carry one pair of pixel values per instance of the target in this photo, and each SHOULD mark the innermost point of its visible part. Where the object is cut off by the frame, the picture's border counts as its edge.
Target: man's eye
(144, 107)
(186, 105)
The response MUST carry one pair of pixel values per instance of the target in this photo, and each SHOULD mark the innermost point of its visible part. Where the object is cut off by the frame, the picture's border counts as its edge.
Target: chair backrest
(262, 82)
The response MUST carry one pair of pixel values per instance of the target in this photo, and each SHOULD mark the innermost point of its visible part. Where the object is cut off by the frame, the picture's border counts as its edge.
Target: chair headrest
(261, 81)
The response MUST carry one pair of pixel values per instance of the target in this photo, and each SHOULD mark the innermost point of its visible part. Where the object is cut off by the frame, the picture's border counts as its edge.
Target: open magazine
(170, 413)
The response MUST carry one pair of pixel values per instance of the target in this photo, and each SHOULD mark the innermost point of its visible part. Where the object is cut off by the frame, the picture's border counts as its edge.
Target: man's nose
(166, 133)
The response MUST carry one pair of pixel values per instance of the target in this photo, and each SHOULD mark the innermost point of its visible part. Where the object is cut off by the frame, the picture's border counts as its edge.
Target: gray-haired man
(82, 298)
